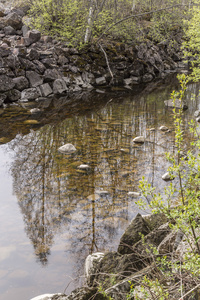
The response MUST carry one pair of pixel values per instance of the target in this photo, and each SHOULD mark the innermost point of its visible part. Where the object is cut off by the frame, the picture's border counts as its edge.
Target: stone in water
(167, 177)
(67, 149)
(164, 128)
(138, 139)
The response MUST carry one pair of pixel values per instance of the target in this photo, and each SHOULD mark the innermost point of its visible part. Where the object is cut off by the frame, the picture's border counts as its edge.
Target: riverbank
(36, 67)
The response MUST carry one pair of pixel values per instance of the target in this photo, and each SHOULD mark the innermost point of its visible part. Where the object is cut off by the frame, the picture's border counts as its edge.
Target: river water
(54, 214)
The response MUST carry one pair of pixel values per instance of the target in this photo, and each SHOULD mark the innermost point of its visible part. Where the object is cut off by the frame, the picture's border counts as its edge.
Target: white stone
(167, 177)
(164, 128)
(35, 110)
(67, 148)
(84, 167)
(90, 260)
(139, 139)
(45, 297)
(100, 80)
(197, 113)
(134, 194)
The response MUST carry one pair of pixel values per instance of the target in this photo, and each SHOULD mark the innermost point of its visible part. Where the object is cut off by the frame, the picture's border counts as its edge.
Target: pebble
(67, 148)
(139, 139)
(164, 128)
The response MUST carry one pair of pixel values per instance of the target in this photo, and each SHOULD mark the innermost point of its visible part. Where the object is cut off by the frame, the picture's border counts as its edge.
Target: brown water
(52, 213)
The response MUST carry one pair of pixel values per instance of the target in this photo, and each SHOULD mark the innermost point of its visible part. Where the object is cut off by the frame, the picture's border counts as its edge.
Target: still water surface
(52, 213)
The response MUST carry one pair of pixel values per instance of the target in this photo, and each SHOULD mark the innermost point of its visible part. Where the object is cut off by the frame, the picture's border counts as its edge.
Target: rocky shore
(110, 275)
(36, 67)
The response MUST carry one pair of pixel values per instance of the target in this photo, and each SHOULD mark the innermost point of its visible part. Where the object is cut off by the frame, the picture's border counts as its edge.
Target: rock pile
(114, 272)
(34, 66)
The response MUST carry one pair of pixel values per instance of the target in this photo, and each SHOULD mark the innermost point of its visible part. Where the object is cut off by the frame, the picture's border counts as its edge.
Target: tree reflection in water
(53, 193)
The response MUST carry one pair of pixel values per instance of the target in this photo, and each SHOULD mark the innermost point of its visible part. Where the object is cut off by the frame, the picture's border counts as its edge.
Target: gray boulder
(2, 98)
(6, 83)
(14, 20)
(132, 234)
(51, 75)
(59, 86)
(100, 80)
(21, 83)
(13, 95)
(30, 94)
(33, 36)
(45, 89)
(34, 78)
(9, 30)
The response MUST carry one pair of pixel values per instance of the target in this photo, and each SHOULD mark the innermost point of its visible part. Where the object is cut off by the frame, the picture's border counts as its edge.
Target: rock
(30, 94)
(33, 36)
(197, 113)
(132, 234)
(14, 20)
(45, 89)
(51, 75)
(20, 51)
(35, 110)
(6, 83)
(198, 119)
(9, 30)
(121, 290)
(167, 177)
(21, 83)
(25, 29)
(84, 167)
(164, 128)
(59, 86)
(34, 78)
(170, 243)
(177, 104)
(139, 139)
(2, 98)
(13, 95)
(67, 149)
(154, 221)
(83, 293)
(134, 194)
(33, 54)
(131, 81)
(100, 81)
(45, 297)
(4, 50)
(147, 78)
(91, 261)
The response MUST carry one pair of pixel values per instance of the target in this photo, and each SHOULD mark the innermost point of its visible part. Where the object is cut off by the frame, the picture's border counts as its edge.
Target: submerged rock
(167, 177)
(133, 194)
(139, 139)
(164, 128)
(67, 149)
(177, 104)
(84, 167)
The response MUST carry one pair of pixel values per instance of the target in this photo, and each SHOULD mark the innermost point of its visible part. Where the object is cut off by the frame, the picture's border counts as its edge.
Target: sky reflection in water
(53, 214)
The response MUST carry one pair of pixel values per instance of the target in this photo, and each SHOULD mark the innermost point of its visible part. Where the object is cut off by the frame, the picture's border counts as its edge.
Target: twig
(189, 292)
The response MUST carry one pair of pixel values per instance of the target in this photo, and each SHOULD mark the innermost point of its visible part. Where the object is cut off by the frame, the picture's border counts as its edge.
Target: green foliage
(70, 20)
(191, 46)
(183, 213)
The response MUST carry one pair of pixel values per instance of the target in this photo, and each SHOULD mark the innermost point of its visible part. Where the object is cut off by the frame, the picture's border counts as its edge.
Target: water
(52, 213)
